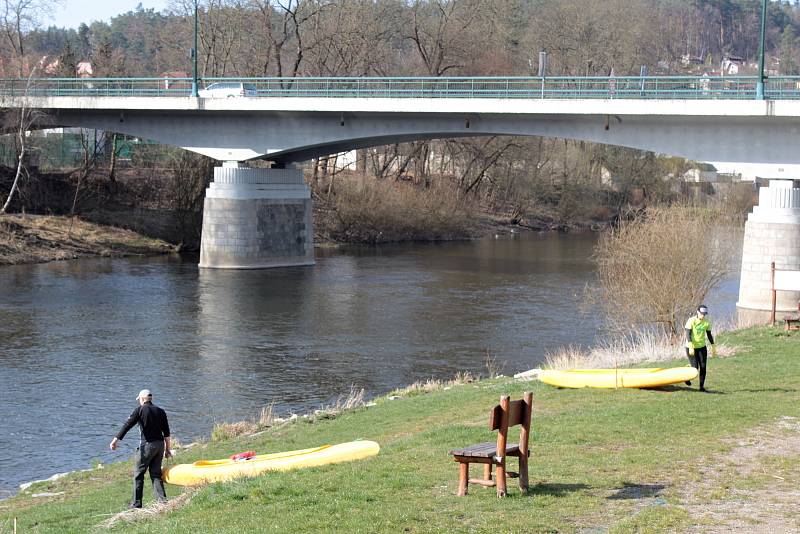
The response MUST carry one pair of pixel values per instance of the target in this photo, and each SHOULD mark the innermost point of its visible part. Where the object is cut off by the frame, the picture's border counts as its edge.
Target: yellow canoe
(207, 471)
(617, 378)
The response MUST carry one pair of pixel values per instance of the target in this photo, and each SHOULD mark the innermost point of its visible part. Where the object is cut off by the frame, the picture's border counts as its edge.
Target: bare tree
(18, 18)
(22, 119)
(353, 39)
(191, 174)
(448, 33)
(283, 23)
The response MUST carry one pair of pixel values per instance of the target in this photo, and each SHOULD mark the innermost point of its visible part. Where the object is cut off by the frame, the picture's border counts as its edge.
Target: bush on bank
(382, 211)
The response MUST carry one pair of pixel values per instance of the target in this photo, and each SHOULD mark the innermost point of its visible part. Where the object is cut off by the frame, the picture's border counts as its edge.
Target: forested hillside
(434, 37)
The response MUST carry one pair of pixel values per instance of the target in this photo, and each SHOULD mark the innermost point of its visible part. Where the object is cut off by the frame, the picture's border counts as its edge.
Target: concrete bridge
(256, 218)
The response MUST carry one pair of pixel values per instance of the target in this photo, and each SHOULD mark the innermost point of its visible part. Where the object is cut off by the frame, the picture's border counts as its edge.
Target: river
(79, 339)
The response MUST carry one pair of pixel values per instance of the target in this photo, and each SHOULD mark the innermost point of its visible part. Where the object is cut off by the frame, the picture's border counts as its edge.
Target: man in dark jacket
(153, 446)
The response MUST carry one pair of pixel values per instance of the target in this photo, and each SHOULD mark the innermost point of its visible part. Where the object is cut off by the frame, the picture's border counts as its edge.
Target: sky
(73, 12)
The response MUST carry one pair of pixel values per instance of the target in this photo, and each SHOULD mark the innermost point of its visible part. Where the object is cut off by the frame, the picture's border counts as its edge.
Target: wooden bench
(502, 416)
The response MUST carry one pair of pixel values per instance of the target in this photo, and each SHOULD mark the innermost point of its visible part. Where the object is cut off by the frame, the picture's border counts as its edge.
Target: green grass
(602, 461)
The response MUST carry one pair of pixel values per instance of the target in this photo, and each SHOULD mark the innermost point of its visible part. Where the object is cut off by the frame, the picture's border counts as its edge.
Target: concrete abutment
(772, 233)
(256, 218)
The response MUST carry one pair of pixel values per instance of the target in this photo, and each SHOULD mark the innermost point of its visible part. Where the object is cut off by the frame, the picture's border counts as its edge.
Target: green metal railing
(564, 87)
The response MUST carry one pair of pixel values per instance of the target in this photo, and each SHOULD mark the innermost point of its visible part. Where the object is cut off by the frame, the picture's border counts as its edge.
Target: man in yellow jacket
(698, 327)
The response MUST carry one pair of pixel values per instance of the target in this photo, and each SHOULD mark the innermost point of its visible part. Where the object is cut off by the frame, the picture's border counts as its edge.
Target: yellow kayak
(206, 471)
(617, 378)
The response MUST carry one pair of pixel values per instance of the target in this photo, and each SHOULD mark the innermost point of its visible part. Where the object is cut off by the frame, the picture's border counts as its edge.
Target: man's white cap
(144, 394)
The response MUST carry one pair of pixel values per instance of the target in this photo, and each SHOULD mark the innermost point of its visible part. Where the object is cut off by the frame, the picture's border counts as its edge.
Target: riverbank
(43, 238)
(617, 461)
(26, 239)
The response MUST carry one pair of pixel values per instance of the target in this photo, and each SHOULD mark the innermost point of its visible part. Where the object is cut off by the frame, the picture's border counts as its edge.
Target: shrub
(380, 212)
(655, 269)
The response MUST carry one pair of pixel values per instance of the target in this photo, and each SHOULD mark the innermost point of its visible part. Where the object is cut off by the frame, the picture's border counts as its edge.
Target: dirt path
(753, 487)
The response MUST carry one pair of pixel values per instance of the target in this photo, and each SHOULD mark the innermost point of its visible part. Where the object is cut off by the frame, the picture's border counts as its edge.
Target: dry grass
(146, 513)
(39, 238)
(267, 416)
(354, 399)
(431, 384)
(622, 352)
(225, 431)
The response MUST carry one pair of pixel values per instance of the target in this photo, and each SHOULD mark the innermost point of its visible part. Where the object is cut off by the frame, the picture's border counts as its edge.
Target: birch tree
(21, 119)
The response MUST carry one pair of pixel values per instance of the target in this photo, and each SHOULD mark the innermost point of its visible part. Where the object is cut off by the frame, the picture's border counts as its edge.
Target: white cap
(144, 394)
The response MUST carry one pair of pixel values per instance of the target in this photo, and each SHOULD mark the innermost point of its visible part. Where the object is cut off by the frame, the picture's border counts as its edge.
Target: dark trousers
(698, 361)
(148, 457)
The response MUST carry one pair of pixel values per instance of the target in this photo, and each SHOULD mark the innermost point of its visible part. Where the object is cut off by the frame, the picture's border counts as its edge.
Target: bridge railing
(563, 87)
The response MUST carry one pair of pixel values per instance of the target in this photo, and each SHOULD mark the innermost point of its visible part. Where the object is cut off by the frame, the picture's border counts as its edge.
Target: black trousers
(698, 361)
(148, 457)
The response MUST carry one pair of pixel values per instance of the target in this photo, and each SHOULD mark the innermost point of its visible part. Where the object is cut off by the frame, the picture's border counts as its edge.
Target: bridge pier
(256, 218)
(771, 233)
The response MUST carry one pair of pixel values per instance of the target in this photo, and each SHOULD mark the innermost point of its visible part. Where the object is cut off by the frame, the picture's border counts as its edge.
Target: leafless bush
(654, 270)
(377, 212)
(493, 367)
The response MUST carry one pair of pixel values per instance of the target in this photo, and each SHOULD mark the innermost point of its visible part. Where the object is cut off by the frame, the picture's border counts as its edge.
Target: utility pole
(761, 52)
(194, 54)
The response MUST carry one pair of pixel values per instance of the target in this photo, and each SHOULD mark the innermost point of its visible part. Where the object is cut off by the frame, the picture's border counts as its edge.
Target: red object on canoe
(243, 456)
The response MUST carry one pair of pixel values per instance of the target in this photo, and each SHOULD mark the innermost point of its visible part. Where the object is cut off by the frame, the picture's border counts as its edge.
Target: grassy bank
(40, 238)
(602, 461)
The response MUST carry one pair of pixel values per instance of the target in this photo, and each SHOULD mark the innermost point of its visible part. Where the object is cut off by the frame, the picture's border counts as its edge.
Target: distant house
(84, 69)
(688, 59)
(731, 65)
(51, 65)
(702, 172)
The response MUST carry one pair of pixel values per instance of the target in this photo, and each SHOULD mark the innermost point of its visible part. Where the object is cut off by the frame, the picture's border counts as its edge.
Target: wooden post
(487, 471)
(774, 293)
(524, 438)
(500, 456)
(463, 478)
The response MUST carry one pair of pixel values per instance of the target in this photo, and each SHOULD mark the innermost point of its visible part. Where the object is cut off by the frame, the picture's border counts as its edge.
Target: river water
(79, 339)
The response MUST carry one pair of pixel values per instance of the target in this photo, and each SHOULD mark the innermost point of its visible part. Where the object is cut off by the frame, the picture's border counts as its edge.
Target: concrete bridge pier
(772, 233)
(256, 218)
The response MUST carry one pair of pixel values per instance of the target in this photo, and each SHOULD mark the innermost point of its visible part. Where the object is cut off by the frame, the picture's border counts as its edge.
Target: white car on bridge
(227, 90)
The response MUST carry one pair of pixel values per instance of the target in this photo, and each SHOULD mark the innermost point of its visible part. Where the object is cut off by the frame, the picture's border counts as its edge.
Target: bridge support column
(256, 219)
(772, 233)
